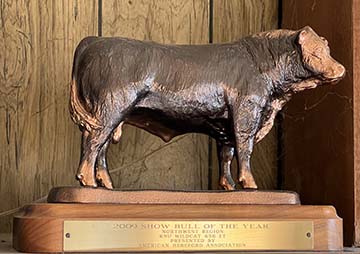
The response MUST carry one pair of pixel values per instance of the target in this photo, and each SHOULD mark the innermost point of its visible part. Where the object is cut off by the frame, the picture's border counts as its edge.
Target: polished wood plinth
(102, 196)
(41, 227)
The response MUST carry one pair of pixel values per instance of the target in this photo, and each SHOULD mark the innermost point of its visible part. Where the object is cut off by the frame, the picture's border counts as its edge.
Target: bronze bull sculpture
(230, 91)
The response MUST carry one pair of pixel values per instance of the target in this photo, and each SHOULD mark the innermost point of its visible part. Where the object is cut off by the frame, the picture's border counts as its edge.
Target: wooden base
(106, 196)
(40, 227)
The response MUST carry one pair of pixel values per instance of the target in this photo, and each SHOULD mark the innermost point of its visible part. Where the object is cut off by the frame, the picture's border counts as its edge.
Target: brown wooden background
(316, 154)
(39, 143)
(320, 158)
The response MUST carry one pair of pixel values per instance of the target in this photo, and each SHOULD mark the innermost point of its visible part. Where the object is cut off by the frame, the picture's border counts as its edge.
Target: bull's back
(133, 57)
(176, 78)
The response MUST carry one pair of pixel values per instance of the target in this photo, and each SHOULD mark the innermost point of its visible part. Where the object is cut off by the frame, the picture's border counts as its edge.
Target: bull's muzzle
(335, 73)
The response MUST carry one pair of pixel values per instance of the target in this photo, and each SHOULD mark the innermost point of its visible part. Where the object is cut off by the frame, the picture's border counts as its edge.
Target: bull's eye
(324, 40)
(316, 56)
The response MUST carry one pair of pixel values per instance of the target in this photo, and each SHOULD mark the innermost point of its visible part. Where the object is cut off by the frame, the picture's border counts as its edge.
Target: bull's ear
(304, 35)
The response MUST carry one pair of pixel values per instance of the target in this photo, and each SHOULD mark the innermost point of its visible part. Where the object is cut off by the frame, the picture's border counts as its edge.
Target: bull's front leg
(225, 157)
(246, 120)
(245, 148)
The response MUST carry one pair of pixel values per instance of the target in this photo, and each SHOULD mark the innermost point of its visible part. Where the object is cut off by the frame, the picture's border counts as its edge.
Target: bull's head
(316, 58)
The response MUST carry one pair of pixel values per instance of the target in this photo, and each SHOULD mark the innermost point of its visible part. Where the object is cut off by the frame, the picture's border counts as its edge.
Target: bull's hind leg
(114, 113)
(103, 177)
(225, 156)
(91, 144)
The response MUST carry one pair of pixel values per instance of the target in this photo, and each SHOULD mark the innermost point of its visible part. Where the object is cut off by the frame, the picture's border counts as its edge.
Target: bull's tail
(78, 113)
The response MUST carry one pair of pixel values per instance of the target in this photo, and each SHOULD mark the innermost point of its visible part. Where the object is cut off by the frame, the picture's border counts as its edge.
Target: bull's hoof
(228, 187)
(227, 184)
(248, 182)
(103, 178)
(86, 182)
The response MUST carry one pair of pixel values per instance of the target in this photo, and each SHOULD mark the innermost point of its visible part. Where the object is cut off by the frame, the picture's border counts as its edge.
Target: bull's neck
(288, 70)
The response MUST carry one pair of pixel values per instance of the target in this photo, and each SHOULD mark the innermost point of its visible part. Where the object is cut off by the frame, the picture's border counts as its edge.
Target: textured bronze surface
(230, 91)
(102, 195)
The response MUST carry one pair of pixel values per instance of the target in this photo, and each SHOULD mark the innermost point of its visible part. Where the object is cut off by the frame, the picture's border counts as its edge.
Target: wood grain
(103, 196)
(141, 160)
(40, 227)
(39, 143)
(318, 147)
(356, 105)
(233, 19)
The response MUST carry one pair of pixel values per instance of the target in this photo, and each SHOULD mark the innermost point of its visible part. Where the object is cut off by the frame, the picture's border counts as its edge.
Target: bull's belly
(167, 126)
(195, 101)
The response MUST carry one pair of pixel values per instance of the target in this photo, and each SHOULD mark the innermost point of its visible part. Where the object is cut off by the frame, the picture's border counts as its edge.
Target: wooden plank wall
(318, 124)
(39, 143)
(356, 103)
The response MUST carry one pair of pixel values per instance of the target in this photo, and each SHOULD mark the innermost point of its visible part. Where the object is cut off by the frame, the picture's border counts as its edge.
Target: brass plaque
(138, 235)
